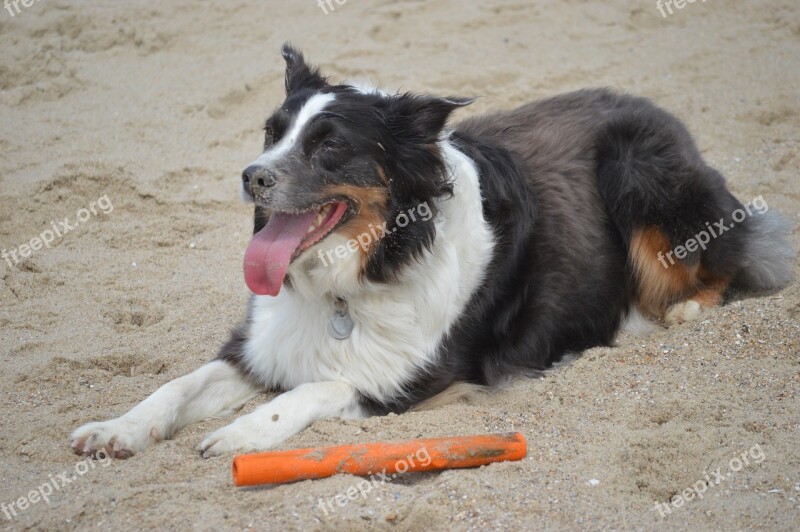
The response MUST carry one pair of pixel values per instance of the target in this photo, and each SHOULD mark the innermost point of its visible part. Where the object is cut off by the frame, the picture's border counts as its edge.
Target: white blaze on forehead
(312, 107)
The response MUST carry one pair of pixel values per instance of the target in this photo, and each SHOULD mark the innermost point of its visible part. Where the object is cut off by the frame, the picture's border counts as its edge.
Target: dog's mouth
(285, 237)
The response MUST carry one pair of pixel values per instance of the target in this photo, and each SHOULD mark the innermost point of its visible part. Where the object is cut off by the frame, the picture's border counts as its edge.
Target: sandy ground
(157, 107)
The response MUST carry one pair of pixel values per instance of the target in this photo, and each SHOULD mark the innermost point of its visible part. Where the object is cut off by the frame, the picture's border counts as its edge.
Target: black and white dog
(396, 258)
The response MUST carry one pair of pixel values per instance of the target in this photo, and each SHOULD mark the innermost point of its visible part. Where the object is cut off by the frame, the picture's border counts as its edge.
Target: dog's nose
(259, 176)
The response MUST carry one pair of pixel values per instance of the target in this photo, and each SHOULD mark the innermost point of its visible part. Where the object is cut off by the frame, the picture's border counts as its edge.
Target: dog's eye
(332, 143)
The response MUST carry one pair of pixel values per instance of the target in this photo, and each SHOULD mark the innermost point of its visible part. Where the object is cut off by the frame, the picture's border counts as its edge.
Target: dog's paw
(682, 312)
(119, 438)
(242, 435)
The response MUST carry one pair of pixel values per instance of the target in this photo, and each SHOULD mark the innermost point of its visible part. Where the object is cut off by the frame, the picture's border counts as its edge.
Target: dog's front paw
(119, 438)
(242, 435)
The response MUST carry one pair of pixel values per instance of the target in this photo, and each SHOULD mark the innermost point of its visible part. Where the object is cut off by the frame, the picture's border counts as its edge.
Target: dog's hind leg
(663, 200)
(669, 287)
(216, 389)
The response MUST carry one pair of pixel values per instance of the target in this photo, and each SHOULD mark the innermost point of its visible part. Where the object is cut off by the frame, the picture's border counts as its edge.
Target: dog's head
(339, 161)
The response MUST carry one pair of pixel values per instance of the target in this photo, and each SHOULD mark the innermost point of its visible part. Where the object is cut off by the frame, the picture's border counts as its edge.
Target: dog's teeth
(322, 213)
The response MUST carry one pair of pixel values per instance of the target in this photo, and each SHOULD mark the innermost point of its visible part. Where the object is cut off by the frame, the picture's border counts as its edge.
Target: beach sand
(156, 108)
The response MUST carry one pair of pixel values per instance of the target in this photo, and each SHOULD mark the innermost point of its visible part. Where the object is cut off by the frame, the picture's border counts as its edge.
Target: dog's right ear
(298, 74)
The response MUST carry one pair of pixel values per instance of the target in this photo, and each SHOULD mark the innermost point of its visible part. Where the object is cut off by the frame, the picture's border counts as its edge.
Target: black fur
(650, 173)
(298, 74)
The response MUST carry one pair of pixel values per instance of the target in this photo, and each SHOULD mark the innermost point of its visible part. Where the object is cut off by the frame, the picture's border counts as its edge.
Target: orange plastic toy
(431, 454)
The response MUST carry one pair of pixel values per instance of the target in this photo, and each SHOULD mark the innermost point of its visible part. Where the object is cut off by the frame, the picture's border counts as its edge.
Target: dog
(494, 246)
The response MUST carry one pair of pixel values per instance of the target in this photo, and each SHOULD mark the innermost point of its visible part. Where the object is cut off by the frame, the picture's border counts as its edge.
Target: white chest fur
(398, 326)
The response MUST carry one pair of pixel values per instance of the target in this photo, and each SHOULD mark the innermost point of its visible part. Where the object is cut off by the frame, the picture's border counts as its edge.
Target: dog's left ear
(298, 74)
(423, 117)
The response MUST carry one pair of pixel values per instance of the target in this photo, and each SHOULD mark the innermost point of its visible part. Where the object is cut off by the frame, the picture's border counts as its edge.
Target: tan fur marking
(711, 293)
(371, 203)
(659, 287)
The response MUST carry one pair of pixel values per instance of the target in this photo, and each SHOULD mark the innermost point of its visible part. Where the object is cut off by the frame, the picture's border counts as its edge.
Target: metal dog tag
(340, 326)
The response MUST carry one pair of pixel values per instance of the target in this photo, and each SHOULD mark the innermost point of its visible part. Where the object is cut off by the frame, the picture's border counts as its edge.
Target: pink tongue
(270, 251)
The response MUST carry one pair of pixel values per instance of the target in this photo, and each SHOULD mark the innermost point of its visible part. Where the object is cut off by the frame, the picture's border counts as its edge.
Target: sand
(156, 107)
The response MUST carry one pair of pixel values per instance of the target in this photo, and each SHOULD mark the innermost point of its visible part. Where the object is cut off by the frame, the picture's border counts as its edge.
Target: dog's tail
(768, 257)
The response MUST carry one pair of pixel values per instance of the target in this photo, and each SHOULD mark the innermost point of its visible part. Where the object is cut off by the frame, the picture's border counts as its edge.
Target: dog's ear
(298, 74)
(423, 117)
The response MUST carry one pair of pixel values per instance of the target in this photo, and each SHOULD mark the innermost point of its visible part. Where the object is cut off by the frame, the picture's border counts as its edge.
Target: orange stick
(431, 454)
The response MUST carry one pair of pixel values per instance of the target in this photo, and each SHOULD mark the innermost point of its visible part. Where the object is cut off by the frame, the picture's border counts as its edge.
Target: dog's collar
(340, 326)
